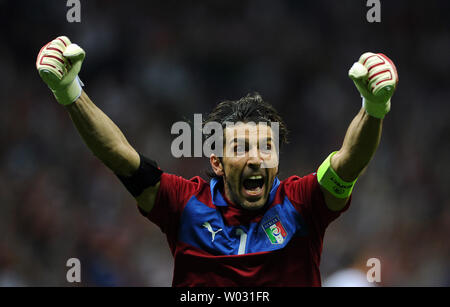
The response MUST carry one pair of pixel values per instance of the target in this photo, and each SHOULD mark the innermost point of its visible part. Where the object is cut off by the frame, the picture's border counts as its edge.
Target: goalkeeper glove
(58, 64)
(376, 78)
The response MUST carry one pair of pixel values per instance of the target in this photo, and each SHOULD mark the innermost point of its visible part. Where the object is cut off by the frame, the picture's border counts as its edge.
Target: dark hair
(251, 108)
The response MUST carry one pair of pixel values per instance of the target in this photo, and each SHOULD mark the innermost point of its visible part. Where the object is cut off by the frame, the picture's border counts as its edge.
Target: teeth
(255, 177)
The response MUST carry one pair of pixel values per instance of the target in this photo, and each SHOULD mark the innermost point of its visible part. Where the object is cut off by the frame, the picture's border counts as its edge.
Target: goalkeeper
(245, 227)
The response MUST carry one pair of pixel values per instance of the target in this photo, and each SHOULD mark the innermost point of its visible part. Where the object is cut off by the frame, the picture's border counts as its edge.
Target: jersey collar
(218, 199)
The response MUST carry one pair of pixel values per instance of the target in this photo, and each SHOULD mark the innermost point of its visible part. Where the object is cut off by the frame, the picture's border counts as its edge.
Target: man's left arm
(375, 76)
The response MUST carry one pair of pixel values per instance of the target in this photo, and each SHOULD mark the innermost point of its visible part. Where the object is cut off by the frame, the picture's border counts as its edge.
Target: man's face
(249, 165)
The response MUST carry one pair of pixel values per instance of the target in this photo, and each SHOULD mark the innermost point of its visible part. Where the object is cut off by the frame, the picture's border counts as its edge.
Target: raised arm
(103, 137)
(59, 63)
(375, 77)
(360, 143)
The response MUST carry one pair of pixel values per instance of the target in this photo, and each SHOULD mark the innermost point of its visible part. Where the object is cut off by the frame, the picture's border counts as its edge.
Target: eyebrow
(236, 139)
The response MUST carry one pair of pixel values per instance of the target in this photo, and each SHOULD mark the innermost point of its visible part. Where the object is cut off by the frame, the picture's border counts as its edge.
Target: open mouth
(253, 186)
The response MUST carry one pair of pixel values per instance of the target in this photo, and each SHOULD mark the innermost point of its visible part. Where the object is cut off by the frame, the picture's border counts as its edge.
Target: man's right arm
(103, 137)
(108, 143)
(59, 63)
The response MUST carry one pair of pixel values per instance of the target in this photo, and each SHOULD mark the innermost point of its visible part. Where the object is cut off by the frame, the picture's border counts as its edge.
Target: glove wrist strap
(69, 94)
(378, 110)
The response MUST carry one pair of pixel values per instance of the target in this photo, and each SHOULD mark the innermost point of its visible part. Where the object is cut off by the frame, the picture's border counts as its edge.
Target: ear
(216, 165)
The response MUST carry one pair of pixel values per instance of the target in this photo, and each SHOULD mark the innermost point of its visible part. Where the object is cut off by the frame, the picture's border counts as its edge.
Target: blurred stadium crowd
(152, 63)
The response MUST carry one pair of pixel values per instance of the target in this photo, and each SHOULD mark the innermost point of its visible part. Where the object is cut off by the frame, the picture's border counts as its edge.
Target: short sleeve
(173, 194)
(307, 197)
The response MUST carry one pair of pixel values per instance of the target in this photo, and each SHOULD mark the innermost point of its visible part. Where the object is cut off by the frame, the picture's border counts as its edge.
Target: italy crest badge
(275, 231)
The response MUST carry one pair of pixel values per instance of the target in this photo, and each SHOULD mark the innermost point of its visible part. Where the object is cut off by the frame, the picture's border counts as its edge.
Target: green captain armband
(328, 179)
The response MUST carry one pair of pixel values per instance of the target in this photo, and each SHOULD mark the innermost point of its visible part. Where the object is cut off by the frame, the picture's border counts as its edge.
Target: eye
(239, 148)
(266, 149)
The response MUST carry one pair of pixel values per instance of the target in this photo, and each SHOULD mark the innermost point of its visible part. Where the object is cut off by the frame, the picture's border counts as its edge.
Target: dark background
(152, 63)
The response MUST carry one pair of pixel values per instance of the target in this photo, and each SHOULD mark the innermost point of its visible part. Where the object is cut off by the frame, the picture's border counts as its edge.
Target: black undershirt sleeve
(148, 174)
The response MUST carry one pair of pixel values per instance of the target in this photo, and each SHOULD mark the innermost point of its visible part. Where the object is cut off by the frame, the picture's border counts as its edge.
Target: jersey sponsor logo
(208, 226)
(275, 231)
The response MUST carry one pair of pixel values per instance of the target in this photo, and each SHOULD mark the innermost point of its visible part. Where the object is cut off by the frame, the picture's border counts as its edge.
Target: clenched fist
(376, 78)
(58, 64)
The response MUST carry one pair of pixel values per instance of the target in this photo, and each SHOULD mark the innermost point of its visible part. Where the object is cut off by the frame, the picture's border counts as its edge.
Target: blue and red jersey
(217, 243)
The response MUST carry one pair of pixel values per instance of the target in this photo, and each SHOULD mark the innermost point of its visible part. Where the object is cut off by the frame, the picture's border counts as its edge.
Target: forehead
(248, 130)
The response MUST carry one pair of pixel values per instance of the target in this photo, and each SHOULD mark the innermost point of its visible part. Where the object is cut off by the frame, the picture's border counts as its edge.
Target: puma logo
(213, 233)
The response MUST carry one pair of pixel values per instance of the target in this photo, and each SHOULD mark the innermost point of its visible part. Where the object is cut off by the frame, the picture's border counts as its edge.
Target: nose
(254, 161)
(255, 165)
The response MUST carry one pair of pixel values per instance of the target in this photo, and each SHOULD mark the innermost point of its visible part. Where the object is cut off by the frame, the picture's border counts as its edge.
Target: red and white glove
(58, 64)
(376, 78)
